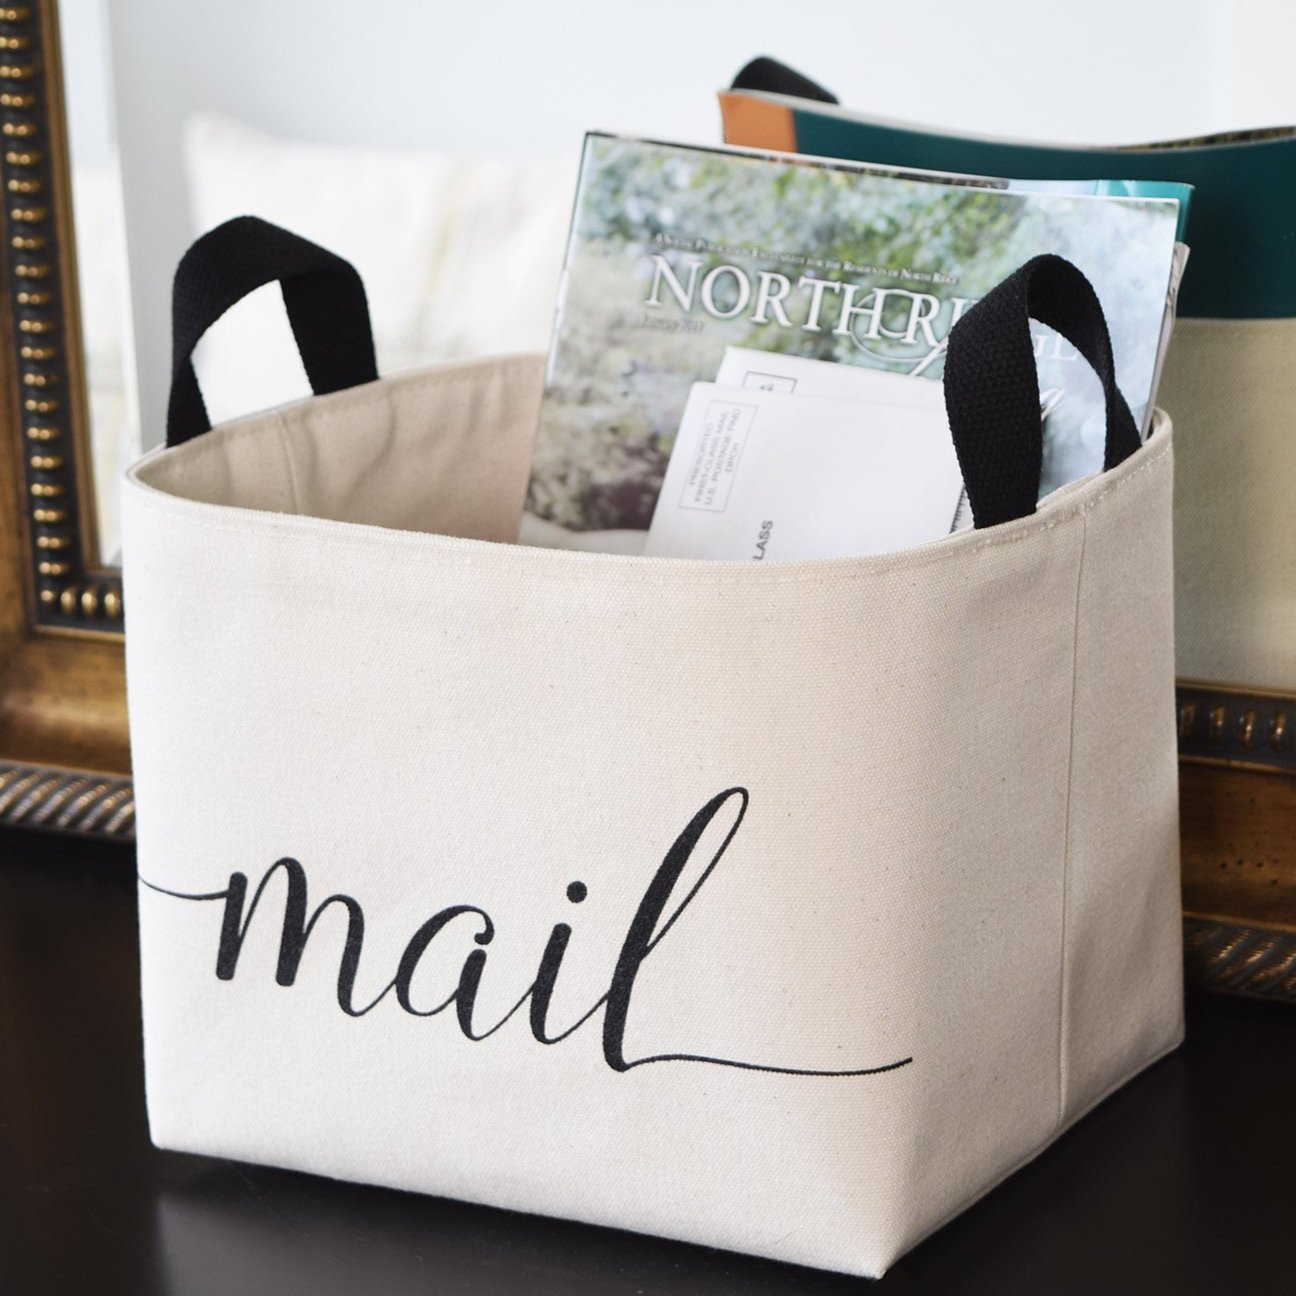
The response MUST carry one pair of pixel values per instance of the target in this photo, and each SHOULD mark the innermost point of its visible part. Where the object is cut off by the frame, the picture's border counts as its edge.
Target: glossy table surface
(1184, 1182)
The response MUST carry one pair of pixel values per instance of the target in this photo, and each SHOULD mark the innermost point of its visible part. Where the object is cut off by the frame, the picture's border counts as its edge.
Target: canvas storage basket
(783, 908)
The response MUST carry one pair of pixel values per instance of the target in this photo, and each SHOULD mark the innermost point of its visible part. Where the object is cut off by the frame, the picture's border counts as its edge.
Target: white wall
(83, 32)
(517, 75)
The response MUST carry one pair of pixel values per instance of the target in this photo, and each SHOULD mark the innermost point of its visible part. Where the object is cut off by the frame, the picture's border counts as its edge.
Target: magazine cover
(678, 255)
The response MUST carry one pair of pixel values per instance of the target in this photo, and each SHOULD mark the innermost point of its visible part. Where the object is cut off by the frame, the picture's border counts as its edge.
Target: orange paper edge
(756, 123)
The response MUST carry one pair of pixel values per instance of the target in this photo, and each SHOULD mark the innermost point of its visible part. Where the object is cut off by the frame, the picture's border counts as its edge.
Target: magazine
(1244, 185)
(678, 253)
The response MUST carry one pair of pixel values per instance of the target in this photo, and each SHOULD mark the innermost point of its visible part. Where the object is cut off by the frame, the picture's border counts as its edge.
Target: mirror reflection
(103, 296)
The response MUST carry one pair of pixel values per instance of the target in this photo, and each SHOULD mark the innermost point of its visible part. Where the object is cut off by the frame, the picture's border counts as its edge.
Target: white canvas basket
(860, 874)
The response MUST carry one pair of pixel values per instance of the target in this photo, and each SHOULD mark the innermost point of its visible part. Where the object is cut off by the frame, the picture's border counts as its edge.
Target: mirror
(67, 587)
(102, 304)
(63, 743)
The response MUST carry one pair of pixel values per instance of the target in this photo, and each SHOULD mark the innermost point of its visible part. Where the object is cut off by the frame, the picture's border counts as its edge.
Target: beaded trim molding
(67, 592)
(1254, 731)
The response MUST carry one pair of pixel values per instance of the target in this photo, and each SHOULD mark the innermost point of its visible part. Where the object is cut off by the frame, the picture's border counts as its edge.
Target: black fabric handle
(323, 294)
(772, 77)
(992, 391)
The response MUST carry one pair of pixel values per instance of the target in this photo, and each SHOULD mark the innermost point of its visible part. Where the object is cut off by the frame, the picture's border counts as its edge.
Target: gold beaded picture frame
(72, 589)
(64, 752)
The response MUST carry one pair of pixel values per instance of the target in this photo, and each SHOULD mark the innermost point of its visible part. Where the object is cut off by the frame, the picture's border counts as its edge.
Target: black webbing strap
(992, 390)
(772, 77)
(323, 294)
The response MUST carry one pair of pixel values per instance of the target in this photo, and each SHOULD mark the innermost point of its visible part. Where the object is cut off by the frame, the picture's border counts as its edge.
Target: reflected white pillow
(460, 255)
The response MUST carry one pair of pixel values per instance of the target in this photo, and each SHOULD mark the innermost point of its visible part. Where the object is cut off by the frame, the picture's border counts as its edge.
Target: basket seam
(380, 535)
(290, 469)
(1130, 1073)
(1063, 961)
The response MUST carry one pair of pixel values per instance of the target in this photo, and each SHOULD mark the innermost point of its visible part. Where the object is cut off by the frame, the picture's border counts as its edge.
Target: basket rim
(140, 489)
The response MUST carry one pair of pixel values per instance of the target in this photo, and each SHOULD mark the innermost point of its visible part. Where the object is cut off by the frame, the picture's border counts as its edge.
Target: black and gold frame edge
(68, 588)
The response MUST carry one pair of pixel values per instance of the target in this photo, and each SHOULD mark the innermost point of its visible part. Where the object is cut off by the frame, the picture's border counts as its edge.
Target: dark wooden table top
(1184, 1182)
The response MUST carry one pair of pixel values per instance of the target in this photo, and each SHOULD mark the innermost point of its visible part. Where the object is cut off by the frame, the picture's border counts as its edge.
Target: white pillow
(496, 283)
(459, 255)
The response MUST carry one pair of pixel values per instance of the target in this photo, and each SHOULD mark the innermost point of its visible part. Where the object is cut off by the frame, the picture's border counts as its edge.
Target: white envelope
(803, 376)
(769, 475)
